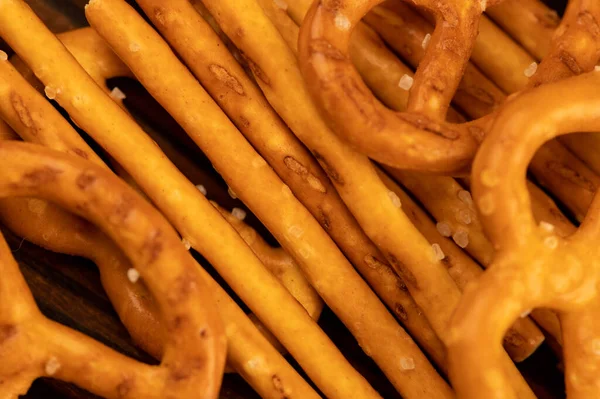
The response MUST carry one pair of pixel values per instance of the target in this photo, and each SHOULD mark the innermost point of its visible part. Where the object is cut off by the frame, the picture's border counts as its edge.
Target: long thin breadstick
(353, 175)
(463, 269)
(530, 22)
(294, 227)
(201, 49)
(188, 210)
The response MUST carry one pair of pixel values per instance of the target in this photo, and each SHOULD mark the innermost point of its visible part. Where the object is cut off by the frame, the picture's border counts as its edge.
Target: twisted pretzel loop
(533, 267)
(32, 346)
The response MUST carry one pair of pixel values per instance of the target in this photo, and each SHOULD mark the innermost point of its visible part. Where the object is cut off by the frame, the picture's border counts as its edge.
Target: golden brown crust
(293, 226)
(353, 175)
(192, 363)
(533, 267)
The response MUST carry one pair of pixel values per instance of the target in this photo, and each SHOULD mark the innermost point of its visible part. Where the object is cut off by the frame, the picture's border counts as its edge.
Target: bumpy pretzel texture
(32, 346)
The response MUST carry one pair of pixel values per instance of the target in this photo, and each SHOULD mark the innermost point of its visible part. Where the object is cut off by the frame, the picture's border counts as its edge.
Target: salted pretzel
(297, 231)
(376, 209)
(426, 142)
(532, 267)
(173, 194)
(34, 346)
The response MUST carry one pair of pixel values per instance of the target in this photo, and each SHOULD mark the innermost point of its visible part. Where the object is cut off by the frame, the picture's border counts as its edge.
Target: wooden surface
(67, 289)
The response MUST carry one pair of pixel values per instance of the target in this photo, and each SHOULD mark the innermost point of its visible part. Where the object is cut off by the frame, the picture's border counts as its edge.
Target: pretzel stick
(523, 337)
(352, 173)
(533, 267)
(292, 162)
(294, 227)
(193, 362)
(530, 22)
(172, 193)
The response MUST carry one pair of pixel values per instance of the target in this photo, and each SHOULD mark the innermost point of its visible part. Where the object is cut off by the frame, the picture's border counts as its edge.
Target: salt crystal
(438, 253)
(465, 197)
(232, 194)
(444, 229)
(238, 213)
(547, 227)
(461, 238)
(342, 22)
(52, 366)
(530, 70)
(202, 189)
(407, 363)
(406, 82)
(186, 243)
(426, 40)
(117, 94)
(395, 199)
(133, 275)
(134, 47)
(50, 92)
(3, 56)
(551, 242)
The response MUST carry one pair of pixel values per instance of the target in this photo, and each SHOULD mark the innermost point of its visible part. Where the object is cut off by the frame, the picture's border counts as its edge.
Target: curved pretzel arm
(545, 270)
(582, 364)
(404, 140)
(575, 46)
(487, 309)
(196, 357)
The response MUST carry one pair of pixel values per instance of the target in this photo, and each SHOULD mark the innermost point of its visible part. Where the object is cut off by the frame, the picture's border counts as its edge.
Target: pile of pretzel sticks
(394, 150)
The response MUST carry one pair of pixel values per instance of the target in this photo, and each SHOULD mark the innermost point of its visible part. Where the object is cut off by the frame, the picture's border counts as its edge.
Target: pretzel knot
(418, 138)
(32, 346)
(533, 266)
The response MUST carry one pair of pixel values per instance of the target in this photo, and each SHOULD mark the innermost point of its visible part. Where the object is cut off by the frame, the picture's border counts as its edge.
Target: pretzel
(553, 166)
(532, 268)
(376, 210)
(294, 227)
(174, 195)
(193, 361)
(292, 162)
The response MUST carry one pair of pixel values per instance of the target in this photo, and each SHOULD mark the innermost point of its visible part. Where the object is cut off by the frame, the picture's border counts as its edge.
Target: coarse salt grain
(50, 92)
(395, 199)
(407, 363)
(597, 68)
(296, 231)
(444, 229)
(202, 189)
(406, 82)
(342, 22)
(426, 40)
(134, 47)
(231, 193)
(117, 94)
(133, 275)
(530, 70)
(464, 216)
(461, 238)
(52, 366)
(438, 253)
(3, 56)
(186, 243)
(547, 227)
(551, 242)
(465, 197)
(483, 4)
(238, 213)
